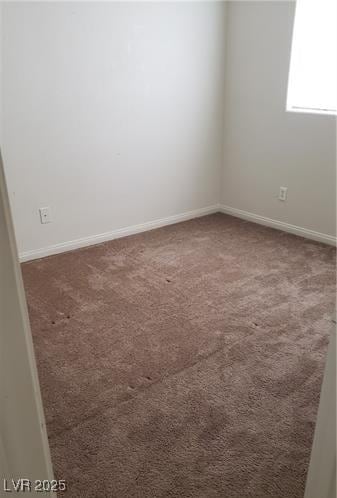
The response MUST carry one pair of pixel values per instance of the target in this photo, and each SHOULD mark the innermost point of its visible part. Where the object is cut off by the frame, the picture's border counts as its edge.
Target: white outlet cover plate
(283, 193)
(45, 215)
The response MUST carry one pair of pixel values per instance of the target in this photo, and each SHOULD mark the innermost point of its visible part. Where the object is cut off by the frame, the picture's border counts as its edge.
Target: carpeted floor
(185, 361)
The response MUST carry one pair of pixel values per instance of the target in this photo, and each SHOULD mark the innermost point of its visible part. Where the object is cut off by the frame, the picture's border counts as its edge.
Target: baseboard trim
(279, 225)
(170, 220)
(115, 234)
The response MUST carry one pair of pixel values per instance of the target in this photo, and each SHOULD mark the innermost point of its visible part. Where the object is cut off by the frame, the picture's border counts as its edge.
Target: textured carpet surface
(183, 362)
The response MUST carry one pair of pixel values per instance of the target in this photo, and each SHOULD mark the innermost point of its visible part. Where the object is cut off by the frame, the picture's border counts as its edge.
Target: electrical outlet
(283, 193)
(45, 215)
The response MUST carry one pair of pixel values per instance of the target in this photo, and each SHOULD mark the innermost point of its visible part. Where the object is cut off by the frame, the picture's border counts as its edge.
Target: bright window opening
(312, 85)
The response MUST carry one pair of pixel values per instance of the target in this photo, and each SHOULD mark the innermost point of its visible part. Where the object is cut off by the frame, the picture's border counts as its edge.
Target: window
(312, 85)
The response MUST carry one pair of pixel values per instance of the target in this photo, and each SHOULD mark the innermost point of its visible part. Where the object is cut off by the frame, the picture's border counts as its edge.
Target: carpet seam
(145, 388)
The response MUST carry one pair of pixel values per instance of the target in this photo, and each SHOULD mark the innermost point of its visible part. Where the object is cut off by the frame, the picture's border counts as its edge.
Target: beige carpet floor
(183, 362)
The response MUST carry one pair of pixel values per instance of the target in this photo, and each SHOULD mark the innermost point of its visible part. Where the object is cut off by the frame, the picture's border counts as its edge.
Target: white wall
(24, 451)
(321, 479)
(265, 147)
(113, 114)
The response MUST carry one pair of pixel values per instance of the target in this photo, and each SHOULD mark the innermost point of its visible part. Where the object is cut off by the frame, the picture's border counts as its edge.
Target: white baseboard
(115, 234)
(280, 225)
(150, 225)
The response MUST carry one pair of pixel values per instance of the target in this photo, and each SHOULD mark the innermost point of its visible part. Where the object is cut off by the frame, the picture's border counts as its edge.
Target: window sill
(304, 110)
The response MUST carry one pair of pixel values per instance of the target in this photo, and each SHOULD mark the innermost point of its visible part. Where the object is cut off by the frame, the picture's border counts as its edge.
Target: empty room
(168, 249)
